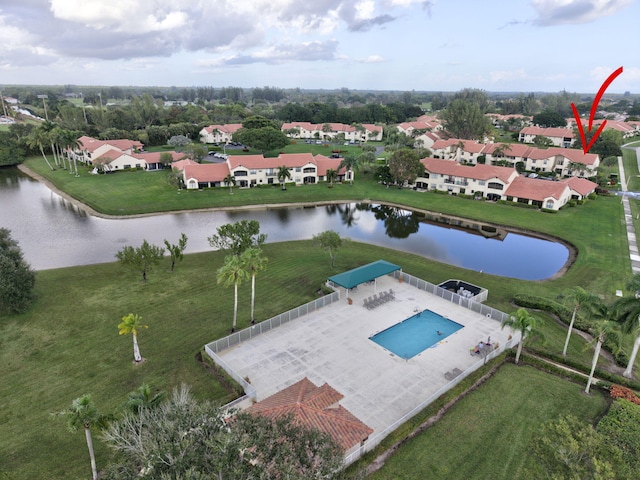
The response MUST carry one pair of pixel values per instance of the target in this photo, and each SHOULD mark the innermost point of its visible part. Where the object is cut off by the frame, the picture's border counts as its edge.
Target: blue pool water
(415, 334)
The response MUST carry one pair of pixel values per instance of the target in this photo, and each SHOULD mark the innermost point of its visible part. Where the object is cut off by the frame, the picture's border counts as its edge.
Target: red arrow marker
(594, 107)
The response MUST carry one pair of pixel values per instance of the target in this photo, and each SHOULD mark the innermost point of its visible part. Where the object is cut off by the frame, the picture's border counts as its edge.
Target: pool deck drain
(332, 345)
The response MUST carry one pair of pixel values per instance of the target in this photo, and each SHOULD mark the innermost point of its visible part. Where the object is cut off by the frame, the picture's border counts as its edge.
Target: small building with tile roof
(219, 133)
(316, 408)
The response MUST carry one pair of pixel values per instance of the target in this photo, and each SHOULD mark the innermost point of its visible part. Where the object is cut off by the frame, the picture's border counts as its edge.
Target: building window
(549, 204)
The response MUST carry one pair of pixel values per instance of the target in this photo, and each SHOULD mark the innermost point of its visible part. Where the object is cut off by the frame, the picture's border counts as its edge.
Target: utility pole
(44, 98)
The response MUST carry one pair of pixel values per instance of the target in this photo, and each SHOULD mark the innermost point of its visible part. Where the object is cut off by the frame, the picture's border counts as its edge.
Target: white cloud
(555, 12)
(507, 75)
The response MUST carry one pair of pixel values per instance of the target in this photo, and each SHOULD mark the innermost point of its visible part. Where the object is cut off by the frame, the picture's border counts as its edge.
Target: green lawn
(486, 434)
(68, 344)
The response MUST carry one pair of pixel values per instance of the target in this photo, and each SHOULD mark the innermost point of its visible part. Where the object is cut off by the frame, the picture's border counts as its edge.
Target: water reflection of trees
(398, 223)
(346, 211)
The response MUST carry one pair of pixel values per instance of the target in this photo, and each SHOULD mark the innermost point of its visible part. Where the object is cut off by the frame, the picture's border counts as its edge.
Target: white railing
(266, 325)
(357, 452)
(472, 303)
(248, 333)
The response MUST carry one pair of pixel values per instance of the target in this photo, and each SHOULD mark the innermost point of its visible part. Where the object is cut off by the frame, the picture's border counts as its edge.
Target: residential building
(254, 170)
(561, 137)
(89, 148)
(482, 181)
(501, 183)
(219, 133)
(329, 131)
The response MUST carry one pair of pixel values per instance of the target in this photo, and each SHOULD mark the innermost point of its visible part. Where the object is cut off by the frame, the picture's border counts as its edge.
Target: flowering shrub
(618, 391)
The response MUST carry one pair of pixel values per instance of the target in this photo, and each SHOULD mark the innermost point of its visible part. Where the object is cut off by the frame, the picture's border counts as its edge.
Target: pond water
(53, 232)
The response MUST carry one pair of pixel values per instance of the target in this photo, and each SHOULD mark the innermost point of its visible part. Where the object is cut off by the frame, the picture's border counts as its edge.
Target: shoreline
(573, 253)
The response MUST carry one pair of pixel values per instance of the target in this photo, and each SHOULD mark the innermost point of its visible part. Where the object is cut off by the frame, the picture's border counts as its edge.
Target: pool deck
(332, 345)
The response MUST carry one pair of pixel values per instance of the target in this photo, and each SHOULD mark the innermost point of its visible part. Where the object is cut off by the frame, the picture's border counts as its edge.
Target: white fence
(354, 454)
(248, 333)
(373, 441)
(472, 303)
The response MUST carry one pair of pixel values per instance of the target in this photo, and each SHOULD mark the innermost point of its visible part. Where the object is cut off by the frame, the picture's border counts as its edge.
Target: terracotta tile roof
(548, 132)
(573, 154)
(535, 189)
(109, 156)
(254, 162)
(154, 157)
(324, 163)
(180, 164)
(581, 186)
(512, 150)
(92, 144)
(315, 407)
(227, 128)
(476, 172)
(213, 172)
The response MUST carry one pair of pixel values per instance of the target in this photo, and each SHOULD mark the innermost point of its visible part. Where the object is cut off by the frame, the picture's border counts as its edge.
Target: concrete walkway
(634, 254)
(332, 345)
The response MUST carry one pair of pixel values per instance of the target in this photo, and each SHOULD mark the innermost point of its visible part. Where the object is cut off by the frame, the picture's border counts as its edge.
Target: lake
(53, 232)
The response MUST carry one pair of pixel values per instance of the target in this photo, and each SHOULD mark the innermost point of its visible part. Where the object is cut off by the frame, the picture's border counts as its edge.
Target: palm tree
(232, 273)
(130, 325)
(83, 413)
(600, 331)
(578, 297)
(254, 262)
(142, 397)
(70, 141)
(231, 181)
(38, 138)
(627, 311)
(332, 175)
(351, 162)
(283, 174)
(525, 323)
(499, 151)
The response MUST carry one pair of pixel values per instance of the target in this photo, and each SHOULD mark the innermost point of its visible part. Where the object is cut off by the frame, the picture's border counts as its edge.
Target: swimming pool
(415, 334)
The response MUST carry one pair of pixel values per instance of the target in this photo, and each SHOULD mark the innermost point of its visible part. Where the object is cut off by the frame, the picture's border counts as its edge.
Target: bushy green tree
(573, 450)
(263, 139)
(330, 241)
(141, 259)
(17, 279)
(238, 237)
(405, 166)
(182, 438)
(549, 118)
(465, 120)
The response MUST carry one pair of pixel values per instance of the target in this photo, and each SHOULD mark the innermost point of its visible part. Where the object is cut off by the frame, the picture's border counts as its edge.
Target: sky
(422, 45)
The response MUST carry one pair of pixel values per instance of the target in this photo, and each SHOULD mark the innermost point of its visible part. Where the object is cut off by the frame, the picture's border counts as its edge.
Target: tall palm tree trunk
(45, 158)
(94, 469)
(596, 354)
(519, 350)
(566, 342)
(136, 349)
(628, 372)
(235, 307)
(253, 295)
